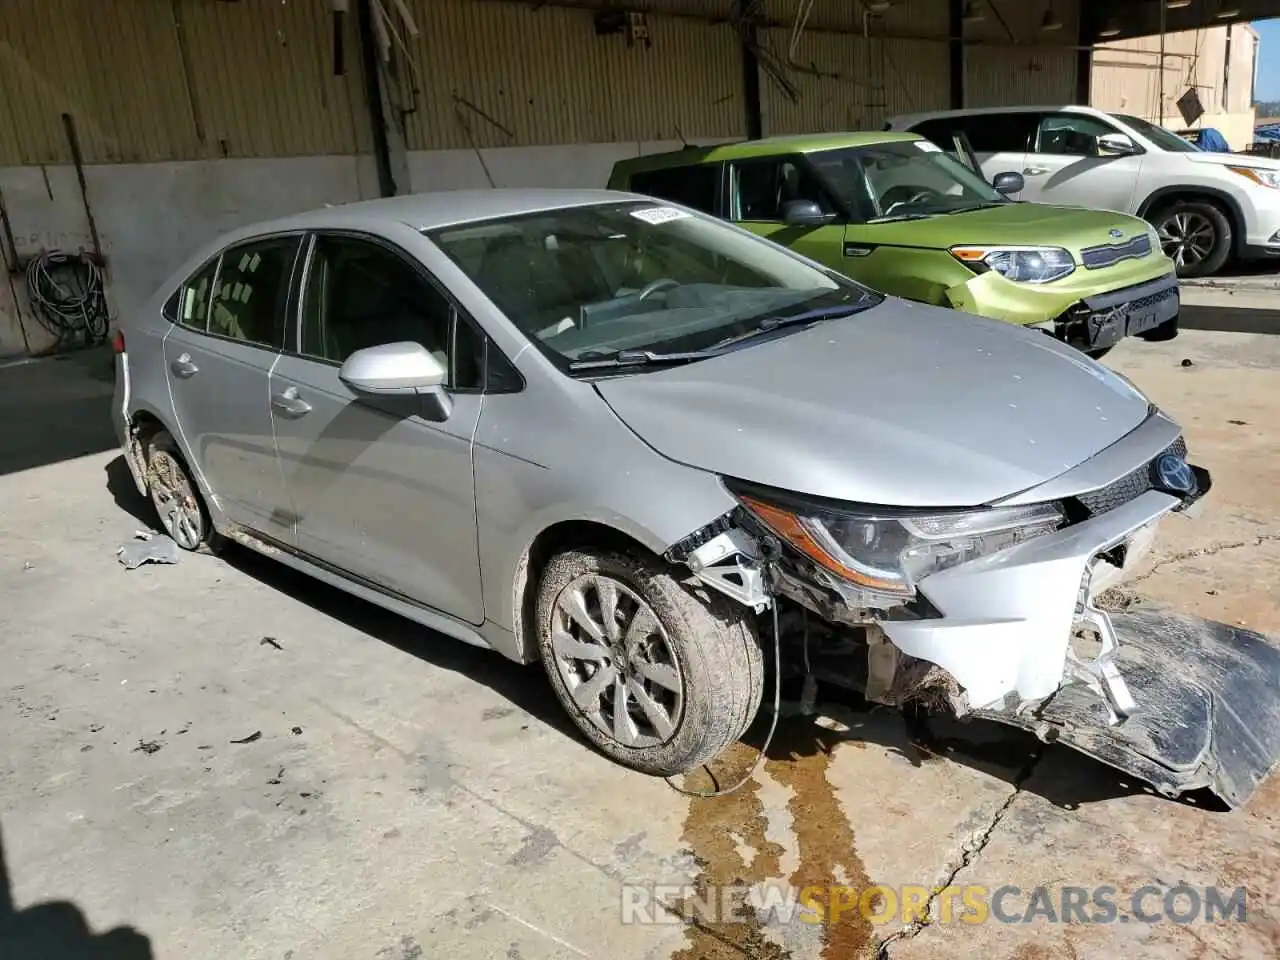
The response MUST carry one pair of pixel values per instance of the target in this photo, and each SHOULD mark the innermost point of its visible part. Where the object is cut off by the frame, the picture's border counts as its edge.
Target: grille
(1095, 258)
(1152, 298)
(1132, 484)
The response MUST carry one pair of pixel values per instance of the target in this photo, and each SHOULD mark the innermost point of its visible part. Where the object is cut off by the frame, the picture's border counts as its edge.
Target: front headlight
(1020, 264)
(887, 552)
(1264, 178)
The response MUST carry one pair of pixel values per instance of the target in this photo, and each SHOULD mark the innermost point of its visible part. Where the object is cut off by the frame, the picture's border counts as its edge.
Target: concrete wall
(152, 216)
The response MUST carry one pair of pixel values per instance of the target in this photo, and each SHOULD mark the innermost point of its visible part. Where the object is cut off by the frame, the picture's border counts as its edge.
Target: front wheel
(659, 678)
(1195, 235)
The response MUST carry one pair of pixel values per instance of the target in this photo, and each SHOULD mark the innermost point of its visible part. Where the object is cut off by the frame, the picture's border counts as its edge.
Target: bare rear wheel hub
(175, 500)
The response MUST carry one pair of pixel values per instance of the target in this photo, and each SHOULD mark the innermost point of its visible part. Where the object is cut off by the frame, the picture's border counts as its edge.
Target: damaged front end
(994, 614)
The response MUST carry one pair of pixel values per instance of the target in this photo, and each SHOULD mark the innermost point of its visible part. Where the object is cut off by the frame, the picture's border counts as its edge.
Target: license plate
(1143, 320)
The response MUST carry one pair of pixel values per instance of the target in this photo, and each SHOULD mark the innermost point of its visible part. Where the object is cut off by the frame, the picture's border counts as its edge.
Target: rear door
(1064, 165)
(758, 188)
(227, 332)
(381, 492)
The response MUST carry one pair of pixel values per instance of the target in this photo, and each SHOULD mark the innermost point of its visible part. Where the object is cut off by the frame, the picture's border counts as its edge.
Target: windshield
(1166, 140)
(592, 281)
(910, 178)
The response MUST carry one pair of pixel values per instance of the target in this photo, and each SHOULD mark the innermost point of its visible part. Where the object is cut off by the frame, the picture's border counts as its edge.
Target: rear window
(694, 186)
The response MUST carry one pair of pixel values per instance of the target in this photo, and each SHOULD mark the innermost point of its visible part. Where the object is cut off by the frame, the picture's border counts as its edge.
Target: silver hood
(903, 405)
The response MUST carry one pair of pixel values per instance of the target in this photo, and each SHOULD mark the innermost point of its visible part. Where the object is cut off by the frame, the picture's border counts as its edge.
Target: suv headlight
(1020, 264)
(888, 552)
(1265, 178)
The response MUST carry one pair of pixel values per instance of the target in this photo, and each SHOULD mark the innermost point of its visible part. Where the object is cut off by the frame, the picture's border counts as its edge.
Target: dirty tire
(162, 443)
(1197, 213)
(712, 639)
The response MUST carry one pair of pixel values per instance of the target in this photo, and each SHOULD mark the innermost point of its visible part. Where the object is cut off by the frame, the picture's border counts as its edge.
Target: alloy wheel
(615, 658)
(1187, 238)
(175, 500)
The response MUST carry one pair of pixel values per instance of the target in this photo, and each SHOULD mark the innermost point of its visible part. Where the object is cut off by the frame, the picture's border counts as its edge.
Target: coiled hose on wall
(68, 297)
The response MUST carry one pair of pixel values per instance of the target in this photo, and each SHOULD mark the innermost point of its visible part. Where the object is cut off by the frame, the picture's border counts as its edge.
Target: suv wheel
(1196, 235)
(659, 678)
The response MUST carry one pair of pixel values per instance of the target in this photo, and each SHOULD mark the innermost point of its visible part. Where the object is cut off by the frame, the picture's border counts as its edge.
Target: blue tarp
(1212, 141)
(1267, 134)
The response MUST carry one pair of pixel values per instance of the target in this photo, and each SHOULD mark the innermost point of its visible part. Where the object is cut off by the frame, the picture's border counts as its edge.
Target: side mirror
(803, 213)
(1116, 145)
(399, 369)
(1007, 183)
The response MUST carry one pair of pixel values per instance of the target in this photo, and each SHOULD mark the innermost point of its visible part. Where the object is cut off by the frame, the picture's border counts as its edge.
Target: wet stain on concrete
(727, 837)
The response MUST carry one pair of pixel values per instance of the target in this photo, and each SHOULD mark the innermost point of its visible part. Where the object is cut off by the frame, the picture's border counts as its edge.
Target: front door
(1064, 166)
(379, 491)
(758, 189)
(226, 335)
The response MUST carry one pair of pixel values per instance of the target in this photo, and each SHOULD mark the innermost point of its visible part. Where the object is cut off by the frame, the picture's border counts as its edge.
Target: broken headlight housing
(887, 552)
(1019, 264)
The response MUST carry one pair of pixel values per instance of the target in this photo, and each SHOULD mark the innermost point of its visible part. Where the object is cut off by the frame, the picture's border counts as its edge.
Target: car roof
(427, 211)
(766, 147)
(912, 118)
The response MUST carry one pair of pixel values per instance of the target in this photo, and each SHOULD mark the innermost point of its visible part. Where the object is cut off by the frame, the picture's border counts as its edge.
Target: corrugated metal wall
(543, 76)
(188, 79)
(257, 81)
(1017, 62)
(842, 71)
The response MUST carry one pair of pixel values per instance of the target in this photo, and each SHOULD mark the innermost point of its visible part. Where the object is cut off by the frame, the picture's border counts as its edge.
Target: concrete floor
(404, 797)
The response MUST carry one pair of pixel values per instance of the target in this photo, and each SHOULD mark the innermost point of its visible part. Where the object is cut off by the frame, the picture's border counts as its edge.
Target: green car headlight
(1020, 264)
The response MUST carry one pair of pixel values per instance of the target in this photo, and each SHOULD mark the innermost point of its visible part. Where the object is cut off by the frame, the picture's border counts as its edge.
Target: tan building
(1218, 62)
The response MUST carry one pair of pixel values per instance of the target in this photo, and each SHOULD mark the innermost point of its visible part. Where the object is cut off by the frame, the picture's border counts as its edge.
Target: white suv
(1207, 207)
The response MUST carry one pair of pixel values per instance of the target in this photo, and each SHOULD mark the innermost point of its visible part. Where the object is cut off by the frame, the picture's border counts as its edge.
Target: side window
(759, 188)
(1070, 134)
(189, 304)
(694, 186)
(253, 286)
(360, 294)
(986, 132)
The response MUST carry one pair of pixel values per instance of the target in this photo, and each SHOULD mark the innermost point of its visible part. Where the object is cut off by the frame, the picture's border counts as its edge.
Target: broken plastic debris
(148, 549)
(256, 735)
(270, 642)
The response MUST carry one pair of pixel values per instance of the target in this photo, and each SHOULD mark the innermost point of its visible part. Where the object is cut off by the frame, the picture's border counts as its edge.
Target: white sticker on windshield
(928, 146)
(656, 215)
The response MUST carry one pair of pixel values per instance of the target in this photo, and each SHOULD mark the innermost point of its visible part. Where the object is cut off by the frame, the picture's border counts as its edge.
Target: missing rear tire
(175, 496)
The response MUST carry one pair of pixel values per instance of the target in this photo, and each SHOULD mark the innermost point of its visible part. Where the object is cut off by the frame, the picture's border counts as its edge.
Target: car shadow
(523, 685)
(59, 930)
(55, 409)
(1057, 774)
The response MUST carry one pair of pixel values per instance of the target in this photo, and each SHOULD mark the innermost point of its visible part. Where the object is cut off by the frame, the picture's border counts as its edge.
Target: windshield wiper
(769, 324)
(903, 216)
(639, 358)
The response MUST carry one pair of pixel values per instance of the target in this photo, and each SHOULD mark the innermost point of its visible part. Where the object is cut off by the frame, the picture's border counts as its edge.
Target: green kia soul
(903, 216)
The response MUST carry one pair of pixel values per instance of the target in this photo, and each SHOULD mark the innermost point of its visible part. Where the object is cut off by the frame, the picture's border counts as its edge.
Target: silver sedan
(641, 445)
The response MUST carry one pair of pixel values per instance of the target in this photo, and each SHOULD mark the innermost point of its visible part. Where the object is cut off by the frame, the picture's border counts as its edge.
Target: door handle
(290, 404)
(183, 367)
(1035, 171)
